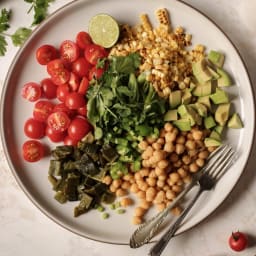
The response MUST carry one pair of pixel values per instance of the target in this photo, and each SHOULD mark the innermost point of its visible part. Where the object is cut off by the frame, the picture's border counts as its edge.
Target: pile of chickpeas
(168, 163)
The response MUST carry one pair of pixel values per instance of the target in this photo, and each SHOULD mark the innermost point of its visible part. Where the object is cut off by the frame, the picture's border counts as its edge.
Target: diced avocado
(175, 99)
(219, 129)
(182, 125)
(209, 122)
(222, 113)
(215, 135)
(171, 115)
(186, 97)
(187, 112)
(203, 89)
(235, 122)
(210, 142)
(224, 79)
(201, 109)
(205, 100)
(217, 58)
(214, 74)
(182, 110)
(200, 71)
(192, 85)
(219, 97)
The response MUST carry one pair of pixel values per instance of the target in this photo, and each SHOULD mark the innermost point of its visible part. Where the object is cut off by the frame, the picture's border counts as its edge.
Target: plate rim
(9, 161)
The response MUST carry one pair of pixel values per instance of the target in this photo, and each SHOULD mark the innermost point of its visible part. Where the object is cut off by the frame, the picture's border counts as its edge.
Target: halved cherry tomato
(84, 85)
(69, 51)
(58, 121)
(83, 39)
(95, 73)
(46, 53)
(42, 110)
(62, 91)
(55, 136)
(32, 150)
(63, 108)
(31, 91)
(81, 67)
(34, 129)
(49, 89)
(74, 82)
(74, 100)
(94, 52)
(58, 72)
(82, 111)
(78, 128)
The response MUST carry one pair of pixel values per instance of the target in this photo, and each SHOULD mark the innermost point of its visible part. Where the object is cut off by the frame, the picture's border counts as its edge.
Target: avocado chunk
(209, 122)
(186, 97)
(224, 79)
(235, 122)
(219, 129)
(201, 72)
(222, 113)
(201, 109)
(217, 58)
(210, 142)
(203, 89)
(182, 124)
(214, 74)
(205, 100)
(187, 112)
(215, 135)
(171, 115)
(219, 97)
(175, 99)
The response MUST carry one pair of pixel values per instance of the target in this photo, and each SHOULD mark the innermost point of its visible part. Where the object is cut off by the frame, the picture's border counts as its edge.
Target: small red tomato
(94, 52)
(238, 241)
(58, 121)
(34, 129)
(74, 100)
(46, 53)
(42, 110)
(74, 81)
(81, 67)
(32, 150)
(95, 73)
(58, 71)
(31, 91)
(83, 39)
(78, 128)
(63, 108)
(69, 51)
(49, 89)
(53, 136)
(84, 85)
(62, 91)
(69, 141)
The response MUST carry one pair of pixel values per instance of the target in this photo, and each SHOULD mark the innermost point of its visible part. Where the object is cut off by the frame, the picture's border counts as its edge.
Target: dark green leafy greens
(123, 109)
(76, 174)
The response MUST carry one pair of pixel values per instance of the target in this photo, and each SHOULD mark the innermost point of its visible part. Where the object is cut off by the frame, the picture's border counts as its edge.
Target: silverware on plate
(218, 160)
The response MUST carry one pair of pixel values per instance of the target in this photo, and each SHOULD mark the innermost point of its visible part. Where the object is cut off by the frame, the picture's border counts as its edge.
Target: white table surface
(25, 231)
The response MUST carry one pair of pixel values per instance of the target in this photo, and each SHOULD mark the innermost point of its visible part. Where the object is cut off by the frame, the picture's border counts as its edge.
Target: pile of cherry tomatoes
(59, 111)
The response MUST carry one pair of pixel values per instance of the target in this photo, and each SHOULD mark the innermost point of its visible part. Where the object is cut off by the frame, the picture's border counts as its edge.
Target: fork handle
(158, 248)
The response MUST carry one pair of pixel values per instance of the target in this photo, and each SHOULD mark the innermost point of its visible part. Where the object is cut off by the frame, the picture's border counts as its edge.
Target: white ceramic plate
(64, 24)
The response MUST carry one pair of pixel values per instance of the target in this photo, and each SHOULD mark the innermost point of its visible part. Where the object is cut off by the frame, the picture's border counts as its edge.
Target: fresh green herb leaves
(124, 109)
(40, 8)
(4, 25)
(20, 36)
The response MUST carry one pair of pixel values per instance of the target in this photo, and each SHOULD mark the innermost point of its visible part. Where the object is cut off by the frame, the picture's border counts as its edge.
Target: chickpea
(186, 159)
(200, 162)
(162, 177)
(139, 211)
(177, 188)
(158, 155)
(197, 135)
(145, 204)
(136, 220)
(141, 194)
(176, 211)
(162, 164)
(144, 172)
(170, 137)
(179, 148)
(190, 144)
(193, 167)
(160, 141)
(134, 188)
(160, 183)
(168, 127)
(170, 194)
(151, 181)
(143, 186)
(128, 177)
(107, 180)
(146, 163)
(180, 139)
(160, 197)
(150, 193)
(126, 185)
(112, 188)
(174, 157)
(169, 147)
(177, 164)
(151, 140)
(187, 179)
(143, 145)
(121, 192)
(117, 183)
(147, 153)
(126, 201)
(203, 154)
(137, 176)
(152, 174)
(160, 207)
(156, 146)
(192, 152)
(159, 171)
(174, 177)
(162, 133)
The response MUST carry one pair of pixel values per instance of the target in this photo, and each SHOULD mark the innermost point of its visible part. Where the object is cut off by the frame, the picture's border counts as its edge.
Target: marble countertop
(26, 231)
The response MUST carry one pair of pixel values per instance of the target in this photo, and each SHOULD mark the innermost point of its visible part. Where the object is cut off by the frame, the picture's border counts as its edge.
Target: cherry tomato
(94, 52)
(63, 108)
(34, 129)
(83, 39)
(74, 81)
(31, 91)
(69, 51)
(84, 85)
(238, 241)
(54, 136)
(78, 128)
(69, 141)
(95, 73)
(82, 111)
(58, 72)
(58, 121)
(62, 91)
(42, 110)
(46, 53)
(32, 150)
(81, 67)
(49, 89)
(74, 100)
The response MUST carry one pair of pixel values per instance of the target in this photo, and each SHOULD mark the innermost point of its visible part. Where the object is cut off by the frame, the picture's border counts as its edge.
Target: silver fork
(206, 182)
(145, 232)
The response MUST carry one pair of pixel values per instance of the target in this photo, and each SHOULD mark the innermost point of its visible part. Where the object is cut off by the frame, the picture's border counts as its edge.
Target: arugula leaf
(20, 36)
(3, 45)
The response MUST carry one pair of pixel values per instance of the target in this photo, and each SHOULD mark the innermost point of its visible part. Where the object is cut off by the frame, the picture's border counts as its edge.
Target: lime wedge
(104, 30)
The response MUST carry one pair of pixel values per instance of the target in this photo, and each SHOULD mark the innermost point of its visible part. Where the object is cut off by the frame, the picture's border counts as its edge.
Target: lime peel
(104, 30)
